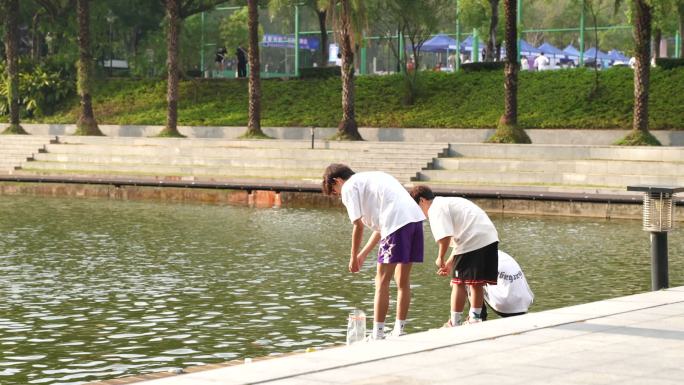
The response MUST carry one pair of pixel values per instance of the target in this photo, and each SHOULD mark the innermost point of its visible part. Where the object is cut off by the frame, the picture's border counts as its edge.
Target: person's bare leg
(476, 302)
(402, 278)
(457, 303)
(476, 296)
(382, 282)
(458, 297)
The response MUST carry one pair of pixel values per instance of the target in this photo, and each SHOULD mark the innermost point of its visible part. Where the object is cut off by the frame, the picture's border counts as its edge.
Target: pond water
(96, 289)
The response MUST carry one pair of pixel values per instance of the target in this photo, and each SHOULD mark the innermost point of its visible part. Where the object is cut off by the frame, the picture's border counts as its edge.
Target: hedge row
(548, 99)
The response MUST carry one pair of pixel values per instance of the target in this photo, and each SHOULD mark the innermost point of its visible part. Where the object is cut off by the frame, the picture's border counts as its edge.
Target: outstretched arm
(443, 245)
(372, 242)
(357, 237)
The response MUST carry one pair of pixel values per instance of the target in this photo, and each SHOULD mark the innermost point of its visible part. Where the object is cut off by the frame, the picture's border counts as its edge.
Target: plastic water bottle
(356, 326)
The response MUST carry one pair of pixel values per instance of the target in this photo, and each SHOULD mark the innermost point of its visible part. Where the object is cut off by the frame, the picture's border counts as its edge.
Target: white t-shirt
(467, 224)
(381, 202)
(541, 62)
(511, 294)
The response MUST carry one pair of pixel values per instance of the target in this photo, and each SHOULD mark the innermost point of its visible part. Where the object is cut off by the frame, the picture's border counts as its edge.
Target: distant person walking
(541, 63)
(241, 56)
(220, 59)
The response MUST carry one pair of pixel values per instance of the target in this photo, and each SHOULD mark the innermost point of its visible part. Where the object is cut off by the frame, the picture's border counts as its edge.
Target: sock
(455, 317)
(378, 330)
(475, 312)
(399, 326)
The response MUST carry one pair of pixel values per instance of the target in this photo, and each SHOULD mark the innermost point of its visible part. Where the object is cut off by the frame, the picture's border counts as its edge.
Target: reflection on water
(97, 289)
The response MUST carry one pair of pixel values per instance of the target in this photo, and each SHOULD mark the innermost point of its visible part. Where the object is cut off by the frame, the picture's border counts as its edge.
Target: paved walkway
(632, 340)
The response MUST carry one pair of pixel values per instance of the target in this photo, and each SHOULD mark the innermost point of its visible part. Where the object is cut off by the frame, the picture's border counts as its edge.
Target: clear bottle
(356, 326)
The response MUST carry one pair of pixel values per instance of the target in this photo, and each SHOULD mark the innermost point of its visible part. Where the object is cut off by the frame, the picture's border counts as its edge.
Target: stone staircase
(222, 159)
(16, 150)
(556, 167)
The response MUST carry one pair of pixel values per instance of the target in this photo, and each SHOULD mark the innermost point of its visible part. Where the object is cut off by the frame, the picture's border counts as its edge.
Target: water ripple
(98, 289)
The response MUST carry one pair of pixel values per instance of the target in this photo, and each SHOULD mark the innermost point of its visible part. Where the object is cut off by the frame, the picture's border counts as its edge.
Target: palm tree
(348, 128)
(86, 124)
(176, 11)
(643, 18)
(254, 119)
(508, 130)
(172, 37)
(11, 8)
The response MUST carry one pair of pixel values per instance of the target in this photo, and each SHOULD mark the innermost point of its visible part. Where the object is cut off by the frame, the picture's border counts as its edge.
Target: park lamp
(658, 218)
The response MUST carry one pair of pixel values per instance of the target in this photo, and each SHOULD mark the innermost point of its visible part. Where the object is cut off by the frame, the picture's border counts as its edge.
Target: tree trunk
(322, 15)
(173, 34)
(86, 124)
(347, 129)
(254, 120)
(508, 130)
(657, 37)
(12, 52)
(493, 27)
(642, 69)
(510, 116)
(643, 14)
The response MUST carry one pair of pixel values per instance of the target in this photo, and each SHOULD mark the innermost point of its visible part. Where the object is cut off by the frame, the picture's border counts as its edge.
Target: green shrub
(484, 66)
(320, 72)
(41, 90)
(667, 63)
(546, 99)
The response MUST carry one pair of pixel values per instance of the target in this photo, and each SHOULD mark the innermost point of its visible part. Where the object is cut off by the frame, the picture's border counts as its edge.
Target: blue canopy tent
(439, 43)
(599, 55)
(591, 53)
(467, 44)
(617, 56)
(571, 51)
(528, 49)
(551, 50)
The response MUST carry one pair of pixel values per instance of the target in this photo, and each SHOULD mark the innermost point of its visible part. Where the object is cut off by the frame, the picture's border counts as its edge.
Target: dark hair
(335, 170)
(422, 191)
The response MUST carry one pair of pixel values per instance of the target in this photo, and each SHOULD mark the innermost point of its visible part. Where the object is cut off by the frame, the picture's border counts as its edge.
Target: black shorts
(477, 267)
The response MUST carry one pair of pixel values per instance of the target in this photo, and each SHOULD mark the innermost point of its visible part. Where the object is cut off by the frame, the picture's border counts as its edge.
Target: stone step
(26, 139)
(612, 167)
(55, 168)
(154, 151)
(265, 143)
(544, 178)
(553, 152)
(21, 146)
(224, 162)
(159, 169)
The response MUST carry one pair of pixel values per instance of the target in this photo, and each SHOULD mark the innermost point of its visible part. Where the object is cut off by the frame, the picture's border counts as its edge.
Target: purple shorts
(405, 245)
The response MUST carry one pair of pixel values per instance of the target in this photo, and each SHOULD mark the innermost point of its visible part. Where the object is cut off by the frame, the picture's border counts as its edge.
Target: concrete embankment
(633, 340)
(548, 179)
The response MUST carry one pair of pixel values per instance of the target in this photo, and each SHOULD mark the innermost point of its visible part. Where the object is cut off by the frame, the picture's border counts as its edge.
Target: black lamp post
(658, 218)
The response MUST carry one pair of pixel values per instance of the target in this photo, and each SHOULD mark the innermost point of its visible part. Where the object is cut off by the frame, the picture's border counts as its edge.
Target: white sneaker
(472, 320)
(396, 333)
(369, 338)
